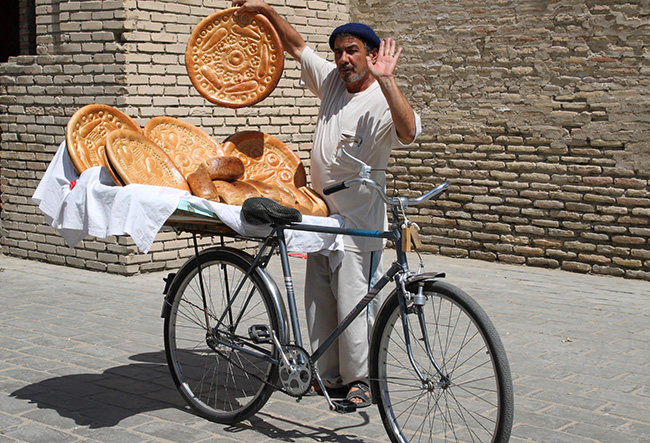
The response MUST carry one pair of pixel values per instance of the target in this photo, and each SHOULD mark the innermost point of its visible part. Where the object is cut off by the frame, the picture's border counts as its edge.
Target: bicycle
(438, 369)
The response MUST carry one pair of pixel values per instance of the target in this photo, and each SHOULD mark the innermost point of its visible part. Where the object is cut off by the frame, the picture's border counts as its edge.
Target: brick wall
(128, 54)
(537, 113)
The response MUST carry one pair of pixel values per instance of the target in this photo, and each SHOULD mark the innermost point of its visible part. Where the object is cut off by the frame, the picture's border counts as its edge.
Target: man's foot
(332, 392)
(359, 394)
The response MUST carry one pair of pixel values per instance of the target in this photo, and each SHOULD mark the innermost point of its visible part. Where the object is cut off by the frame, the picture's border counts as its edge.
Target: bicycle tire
(220, 383)
(476, 404)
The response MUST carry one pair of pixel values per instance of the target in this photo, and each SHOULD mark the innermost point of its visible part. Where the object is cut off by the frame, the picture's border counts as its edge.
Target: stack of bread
(233, 61)
(174, 153)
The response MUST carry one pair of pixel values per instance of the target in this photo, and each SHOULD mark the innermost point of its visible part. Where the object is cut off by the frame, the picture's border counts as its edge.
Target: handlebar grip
(331, 189)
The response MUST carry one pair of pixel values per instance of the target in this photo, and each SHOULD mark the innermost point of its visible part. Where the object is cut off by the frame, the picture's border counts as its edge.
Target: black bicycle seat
(264, 211)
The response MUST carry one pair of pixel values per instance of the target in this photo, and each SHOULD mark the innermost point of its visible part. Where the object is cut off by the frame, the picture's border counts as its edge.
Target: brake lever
(365, 169)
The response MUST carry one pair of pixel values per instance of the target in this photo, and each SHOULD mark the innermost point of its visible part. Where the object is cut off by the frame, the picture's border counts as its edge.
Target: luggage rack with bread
(173, 153)
(195, 220)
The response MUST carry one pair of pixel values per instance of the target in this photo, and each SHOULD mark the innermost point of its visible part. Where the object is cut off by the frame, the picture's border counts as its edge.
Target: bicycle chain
(276, 388)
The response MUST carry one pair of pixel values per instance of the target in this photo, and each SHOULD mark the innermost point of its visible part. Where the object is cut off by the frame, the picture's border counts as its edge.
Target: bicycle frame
(230, 340)
(399, 270)
(400, 265)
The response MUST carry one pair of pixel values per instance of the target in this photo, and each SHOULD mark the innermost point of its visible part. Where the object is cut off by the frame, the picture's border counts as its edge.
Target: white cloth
(362, 122)
(95, 206)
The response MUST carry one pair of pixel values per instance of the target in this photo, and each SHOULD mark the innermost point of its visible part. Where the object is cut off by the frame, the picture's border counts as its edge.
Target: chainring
(297, 377)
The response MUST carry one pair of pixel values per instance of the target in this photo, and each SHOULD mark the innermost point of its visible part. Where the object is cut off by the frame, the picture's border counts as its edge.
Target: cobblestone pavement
(82, 360)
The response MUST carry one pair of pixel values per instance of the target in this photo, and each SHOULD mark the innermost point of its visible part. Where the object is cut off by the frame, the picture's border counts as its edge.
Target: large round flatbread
(266, 159)
(86, 133)
(234, 60)
(320, 208)
(136, 159)
(111, 170)
(187, 145)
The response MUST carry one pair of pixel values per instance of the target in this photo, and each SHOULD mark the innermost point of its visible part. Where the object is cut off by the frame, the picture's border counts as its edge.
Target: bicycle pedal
(260, 334)
(344, 406)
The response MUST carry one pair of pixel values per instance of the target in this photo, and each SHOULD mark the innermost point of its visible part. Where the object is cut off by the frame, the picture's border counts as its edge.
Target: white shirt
(364, 117)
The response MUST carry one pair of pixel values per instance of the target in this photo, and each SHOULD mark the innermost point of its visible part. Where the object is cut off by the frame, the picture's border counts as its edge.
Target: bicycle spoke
(467, 404)
(217, 371)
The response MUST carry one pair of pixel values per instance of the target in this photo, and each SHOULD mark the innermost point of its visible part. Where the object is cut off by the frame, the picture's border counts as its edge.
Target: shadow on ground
(103, 400)
(294, 431)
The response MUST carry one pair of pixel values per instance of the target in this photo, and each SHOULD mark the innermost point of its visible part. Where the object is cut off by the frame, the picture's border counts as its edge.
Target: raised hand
(248, 5)
(387, 56)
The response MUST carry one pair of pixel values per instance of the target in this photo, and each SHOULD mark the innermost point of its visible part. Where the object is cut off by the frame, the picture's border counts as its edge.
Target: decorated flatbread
(234, 60)
(187, 145)
(136, 159)
(87, 130)
(266, 159)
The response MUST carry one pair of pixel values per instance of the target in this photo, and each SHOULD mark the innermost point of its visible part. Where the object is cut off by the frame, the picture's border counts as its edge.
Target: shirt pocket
(351, 144)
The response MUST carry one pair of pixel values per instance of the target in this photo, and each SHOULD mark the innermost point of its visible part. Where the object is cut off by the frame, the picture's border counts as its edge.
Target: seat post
(288, 283)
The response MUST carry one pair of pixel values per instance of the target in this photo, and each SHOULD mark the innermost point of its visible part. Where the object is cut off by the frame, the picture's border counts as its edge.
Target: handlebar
(364, 179)
(335, 188)
(393, 201)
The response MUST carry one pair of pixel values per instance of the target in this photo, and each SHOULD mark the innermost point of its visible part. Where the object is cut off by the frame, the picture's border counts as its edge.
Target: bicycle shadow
(301, 431)
(104, 400)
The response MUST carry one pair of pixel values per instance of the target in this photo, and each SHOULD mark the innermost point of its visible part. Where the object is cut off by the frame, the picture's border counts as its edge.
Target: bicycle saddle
(264, 211)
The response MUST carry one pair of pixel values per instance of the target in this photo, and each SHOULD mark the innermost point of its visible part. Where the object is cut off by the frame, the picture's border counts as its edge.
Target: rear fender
(276, 296)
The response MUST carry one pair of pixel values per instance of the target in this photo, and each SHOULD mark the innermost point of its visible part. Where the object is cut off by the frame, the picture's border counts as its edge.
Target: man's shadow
(104, 400)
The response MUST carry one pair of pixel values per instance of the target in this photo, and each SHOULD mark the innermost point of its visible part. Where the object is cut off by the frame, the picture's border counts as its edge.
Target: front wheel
(222, 373)
(471, 401)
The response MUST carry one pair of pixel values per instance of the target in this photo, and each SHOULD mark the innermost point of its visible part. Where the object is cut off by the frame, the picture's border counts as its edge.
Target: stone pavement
(82, 360)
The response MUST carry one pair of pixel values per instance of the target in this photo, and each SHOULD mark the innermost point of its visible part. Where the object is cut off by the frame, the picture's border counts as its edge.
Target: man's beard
(353, 76)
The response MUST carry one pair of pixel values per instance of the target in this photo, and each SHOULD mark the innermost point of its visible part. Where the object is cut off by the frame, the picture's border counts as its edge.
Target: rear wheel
(220, 372)
(472, 401)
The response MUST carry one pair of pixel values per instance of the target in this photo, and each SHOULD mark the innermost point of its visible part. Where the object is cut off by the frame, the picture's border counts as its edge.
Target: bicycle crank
(294, 366)
(295, 370)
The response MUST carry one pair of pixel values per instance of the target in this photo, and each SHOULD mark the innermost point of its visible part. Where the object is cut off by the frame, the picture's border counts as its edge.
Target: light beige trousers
(329, 298)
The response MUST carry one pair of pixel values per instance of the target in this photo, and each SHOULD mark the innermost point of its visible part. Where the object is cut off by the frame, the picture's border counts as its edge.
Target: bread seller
(363, 108)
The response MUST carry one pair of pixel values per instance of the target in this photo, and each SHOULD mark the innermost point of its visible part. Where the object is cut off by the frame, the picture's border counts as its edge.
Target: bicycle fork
(419, 301)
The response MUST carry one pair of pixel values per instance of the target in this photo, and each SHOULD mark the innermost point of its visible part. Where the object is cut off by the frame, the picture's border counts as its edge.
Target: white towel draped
(96, 206)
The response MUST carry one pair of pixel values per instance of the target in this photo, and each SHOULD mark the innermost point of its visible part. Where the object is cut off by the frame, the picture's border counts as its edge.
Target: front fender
(411, 282)
(425, 276)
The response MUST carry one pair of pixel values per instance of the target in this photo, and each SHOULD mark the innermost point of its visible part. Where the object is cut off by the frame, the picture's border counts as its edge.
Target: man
(362, 109)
